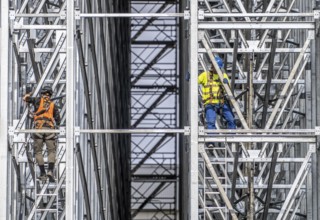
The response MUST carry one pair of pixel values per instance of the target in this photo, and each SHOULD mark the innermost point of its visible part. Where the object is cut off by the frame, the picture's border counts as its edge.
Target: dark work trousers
(39, 140)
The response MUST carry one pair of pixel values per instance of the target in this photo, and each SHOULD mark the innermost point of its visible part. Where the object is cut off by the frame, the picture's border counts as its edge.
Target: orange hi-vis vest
(44, 114)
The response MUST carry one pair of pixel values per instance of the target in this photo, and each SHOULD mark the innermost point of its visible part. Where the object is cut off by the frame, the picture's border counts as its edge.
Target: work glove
(225, 81)
(25, 97)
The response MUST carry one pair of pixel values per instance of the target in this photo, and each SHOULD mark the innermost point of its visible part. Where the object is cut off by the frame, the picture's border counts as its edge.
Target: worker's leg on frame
(227, 114)
(210, 116)
(51, 147)
(38, 144)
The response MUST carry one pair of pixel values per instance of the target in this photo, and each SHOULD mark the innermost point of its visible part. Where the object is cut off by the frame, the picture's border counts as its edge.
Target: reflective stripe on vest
(211, 91)
(44, 115)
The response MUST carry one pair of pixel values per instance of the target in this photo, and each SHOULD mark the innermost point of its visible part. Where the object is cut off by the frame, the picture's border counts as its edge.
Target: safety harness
(212, 92)
(43, 117)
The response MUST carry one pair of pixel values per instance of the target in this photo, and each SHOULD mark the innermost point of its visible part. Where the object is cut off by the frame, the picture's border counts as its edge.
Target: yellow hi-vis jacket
(212, 91)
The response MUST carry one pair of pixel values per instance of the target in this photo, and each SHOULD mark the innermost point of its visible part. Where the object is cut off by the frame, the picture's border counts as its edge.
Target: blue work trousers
(211, 115)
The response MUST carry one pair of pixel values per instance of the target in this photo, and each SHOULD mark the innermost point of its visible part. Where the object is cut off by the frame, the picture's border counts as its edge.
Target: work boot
(50, 176)
(42, 177)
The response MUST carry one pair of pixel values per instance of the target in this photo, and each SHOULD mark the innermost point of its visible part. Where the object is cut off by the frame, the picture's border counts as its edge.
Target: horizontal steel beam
(129, 15)
(39, 27)
(255, 25)
(149, 42)
(238, 15)
(303, 133)
(40, 15)
(153, 178)
(40, 50)
(250, 50)
(258, 160)
(219, 15)
(256, 186)
(107, 131)
(273, 81)
(261, 139)
(252, 131)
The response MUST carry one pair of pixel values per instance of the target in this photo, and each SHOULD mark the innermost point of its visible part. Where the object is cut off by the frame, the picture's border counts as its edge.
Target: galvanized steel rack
(259, 177)
(266, 169)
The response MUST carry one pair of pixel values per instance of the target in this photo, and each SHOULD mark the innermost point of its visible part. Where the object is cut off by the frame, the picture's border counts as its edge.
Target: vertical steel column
(70, 96)
(193, 174)
(316, 120)
(4, 39)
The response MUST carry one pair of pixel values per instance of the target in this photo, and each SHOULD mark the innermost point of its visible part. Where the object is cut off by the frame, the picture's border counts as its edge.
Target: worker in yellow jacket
(213, 97)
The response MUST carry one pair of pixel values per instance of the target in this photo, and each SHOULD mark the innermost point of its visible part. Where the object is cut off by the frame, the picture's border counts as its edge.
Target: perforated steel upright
(266, 47)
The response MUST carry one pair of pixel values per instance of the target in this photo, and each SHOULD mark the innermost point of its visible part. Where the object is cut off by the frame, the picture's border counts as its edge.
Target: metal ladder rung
(219, 177)
(212, 193)
(46, 194)
(48, 210)
(215, 163)
(215, 208)
(218, 148)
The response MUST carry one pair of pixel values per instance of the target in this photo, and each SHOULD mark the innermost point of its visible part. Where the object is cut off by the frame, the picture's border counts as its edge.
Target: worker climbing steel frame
(29, 63)
(54, 20)
(274, 177)
(298, 141)
(42, 50)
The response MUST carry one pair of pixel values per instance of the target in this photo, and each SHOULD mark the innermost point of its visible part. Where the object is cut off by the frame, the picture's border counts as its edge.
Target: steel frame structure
(256, 174)
(260, 172)
(53, 43)
(154, 105)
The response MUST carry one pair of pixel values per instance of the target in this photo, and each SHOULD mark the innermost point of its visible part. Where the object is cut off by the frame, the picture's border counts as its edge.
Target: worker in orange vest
(46, 116)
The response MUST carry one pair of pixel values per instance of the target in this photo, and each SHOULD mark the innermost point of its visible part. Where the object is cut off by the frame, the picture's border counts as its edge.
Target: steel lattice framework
(154, 105)
(266, 168)
(63, 45)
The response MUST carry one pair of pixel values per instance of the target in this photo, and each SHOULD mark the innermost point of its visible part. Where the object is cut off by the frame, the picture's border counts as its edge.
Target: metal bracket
(201, 14)
(77, 131)
(280, 148)
(77, 14)
(317, 131)
(12, 14)
(312, 148)
(311, 33)
(62, 131)
(63, 15)
(233, 148)
(77, 134)
(201, 148)
(186, 14)
(187, 130)
(316, 14)
(201, 130)
(200, 35)
(317, 134)
(11, 131)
